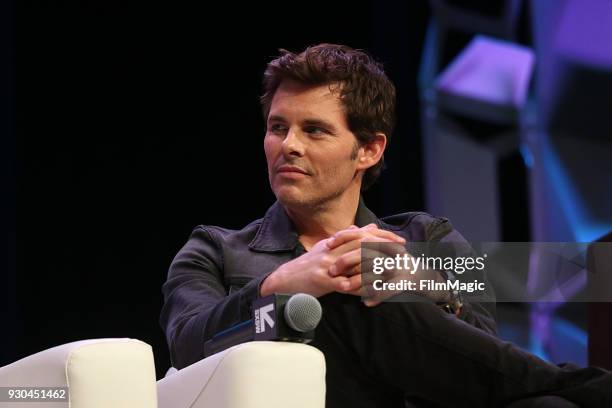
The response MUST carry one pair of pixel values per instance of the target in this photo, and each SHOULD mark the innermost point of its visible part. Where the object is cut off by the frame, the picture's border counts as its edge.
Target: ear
(371, 152)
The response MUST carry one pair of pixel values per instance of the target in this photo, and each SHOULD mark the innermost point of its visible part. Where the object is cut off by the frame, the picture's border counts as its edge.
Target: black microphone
(277, 317)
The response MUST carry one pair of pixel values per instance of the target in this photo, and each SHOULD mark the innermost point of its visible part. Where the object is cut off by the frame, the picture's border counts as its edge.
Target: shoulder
(209, 244)
(418, 226)
(220, 236)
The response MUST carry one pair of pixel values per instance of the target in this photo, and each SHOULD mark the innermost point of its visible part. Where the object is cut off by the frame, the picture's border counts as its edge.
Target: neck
(315, 224)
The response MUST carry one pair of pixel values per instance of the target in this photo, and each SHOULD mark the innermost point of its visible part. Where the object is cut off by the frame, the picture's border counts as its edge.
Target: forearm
(191, 317)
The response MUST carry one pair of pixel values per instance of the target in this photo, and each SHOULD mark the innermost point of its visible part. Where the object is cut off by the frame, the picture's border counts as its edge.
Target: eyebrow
(307, 122)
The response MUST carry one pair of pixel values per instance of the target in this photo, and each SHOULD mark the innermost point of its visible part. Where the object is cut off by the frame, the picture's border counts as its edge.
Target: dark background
(129, 123)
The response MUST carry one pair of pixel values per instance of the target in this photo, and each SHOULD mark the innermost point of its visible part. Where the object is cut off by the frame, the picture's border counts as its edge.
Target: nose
(292, 145)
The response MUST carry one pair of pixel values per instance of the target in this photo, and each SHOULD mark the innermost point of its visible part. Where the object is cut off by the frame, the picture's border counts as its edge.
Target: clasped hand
(332, 265)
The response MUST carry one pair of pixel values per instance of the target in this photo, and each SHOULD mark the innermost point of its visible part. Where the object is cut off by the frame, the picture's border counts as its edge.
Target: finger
(391, 250)
(341, 284)
(331, 239)
(354, 285)
(371, 302)
(380, 233)
(355, 282)
(357, 245)
(347, 264)
(344, 236)
(345, 247)
(355, 292)
(352, 227)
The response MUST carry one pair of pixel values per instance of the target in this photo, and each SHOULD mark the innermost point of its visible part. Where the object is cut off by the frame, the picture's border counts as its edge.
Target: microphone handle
(238, 334)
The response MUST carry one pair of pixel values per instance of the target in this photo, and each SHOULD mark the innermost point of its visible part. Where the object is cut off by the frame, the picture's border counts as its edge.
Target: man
(329, 114)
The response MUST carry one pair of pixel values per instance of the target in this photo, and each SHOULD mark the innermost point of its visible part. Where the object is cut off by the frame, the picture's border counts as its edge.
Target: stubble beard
(314, 197)
(310, 201)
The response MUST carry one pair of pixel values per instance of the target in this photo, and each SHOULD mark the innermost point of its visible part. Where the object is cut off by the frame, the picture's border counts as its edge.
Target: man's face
(311, 153)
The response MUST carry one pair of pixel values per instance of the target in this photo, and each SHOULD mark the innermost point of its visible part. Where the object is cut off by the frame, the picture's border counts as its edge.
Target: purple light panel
(490, 70)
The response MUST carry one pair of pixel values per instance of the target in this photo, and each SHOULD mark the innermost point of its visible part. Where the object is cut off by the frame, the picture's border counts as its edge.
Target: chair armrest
(251, 375)
(99, 373)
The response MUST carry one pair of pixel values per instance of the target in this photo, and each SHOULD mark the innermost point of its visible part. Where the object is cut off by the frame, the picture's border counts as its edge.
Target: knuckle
(327, 260)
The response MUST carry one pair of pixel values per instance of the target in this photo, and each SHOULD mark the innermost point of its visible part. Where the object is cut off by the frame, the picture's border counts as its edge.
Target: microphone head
(303, 312)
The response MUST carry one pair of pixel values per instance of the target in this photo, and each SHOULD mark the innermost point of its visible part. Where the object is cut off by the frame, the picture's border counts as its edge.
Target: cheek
(339, 164)
(271, 148)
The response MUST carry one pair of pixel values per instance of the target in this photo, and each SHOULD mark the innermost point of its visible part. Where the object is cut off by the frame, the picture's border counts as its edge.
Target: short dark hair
(367, 94)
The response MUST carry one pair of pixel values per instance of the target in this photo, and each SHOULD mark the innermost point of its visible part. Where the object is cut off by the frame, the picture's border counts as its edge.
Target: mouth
(287, 170)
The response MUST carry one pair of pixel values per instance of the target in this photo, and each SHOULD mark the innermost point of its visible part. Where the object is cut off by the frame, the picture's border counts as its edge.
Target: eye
(277, 129)
(315, 131)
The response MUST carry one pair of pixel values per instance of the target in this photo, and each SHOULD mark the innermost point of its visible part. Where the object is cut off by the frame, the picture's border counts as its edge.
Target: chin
(291, 196)
(288, 197)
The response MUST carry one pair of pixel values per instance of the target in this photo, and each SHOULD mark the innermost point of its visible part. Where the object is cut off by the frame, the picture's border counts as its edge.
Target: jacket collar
(277, 232)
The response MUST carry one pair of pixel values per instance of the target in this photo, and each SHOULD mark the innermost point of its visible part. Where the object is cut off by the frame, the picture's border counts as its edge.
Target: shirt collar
(277, 232)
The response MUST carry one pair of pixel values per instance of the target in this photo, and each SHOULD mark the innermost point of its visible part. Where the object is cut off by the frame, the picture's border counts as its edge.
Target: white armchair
(99, 373)
(260, 374)
(120, 373)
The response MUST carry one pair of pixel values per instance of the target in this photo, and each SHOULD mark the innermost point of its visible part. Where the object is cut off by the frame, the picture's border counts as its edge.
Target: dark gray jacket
(215, 277)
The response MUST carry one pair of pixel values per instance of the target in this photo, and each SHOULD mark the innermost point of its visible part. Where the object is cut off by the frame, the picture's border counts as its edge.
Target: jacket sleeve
(480, 314)
(196, 302)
